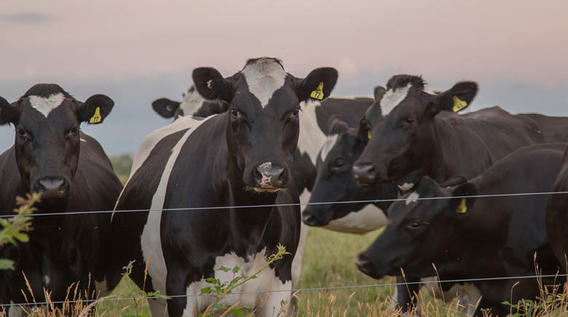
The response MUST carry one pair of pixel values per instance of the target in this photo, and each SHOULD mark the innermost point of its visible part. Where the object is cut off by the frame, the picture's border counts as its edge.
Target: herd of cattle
(222, 185)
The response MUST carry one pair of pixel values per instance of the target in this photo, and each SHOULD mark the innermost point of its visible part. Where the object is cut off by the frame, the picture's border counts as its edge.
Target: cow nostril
(50, 184)
(364, 264)
(364, 173)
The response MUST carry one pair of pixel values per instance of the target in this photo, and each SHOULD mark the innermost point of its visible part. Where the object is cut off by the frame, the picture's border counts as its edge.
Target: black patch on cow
(45, 90)
(254, 60)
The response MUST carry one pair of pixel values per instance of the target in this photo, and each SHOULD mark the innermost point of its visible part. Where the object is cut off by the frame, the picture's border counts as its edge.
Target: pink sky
(482, 40)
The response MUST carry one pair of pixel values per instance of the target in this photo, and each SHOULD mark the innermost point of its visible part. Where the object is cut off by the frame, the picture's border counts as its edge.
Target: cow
(241, 157)
(193, 104)
(70, 170)
(454, 233)
(557, 217)
(418, 138)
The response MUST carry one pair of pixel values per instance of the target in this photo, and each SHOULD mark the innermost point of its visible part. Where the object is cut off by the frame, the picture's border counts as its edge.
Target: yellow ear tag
(369, 135)
(96, 118)
(462, 207)
(458, 104)
(318, 93)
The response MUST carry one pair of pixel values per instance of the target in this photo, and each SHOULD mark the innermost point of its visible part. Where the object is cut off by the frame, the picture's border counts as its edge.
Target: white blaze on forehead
(328, 145)
(191, 102)
(406, 186)
(393, 97)
(46, 104)
(412, 198)
(263, 78)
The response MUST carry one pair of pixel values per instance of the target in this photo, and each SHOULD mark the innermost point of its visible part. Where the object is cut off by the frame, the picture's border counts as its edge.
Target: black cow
(240, 157)
(417, 138)
(469, 238)
(557, 215)
(71, 171)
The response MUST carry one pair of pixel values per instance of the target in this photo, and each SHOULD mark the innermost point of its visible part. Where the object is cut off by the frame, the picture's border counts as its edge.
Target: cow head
(192, 105)
(401, 144)
(264, 105)
(334, 180)
(421, 232)
(47, 145)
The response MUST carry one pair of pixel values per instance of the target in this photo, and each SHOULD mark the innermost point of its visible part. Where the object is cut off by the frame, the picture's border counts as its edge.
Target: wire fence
(307, 289)
(220, 208)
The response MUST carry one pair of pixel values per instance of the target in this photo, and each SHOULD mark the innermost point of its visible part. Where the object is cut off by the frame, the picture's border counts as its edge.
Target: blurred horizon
(138, 51)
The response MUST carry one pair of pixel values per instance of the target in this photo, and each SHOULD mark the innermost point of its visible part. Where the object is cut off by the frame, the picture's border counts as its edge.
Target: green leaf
(212, 280)
(206, 290)
(6, 264)
(236, 269)
(238, 312)
(224, 268)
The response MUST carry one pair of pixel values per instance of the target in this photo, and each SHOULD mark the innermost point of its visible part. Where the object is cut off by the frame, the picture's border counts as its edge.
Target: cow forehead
(393, 97)
(264, 77)
(191, 102)
(46, 104)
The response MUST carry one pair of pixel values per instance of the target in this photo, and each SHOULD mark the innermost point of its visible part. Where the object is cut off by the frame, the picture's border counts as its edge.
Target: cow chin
(268, 190)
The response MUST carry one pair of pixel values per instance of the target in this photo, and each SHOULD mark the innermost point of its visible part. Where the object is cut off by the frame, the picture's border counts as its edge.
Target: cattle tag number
(458, 104)
(318, 93)
(96, 118)
(462, 207)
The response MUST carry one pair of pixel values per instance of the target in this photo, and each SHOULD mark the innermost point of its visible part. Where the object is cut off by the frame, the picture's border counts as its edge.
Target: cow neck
(311, 137)
(247, 225)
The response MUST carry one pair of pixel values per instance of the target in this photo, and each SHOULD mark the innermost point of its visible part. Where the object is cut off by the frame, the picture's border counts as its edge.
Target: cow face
(402, 143)
(192, 105)
(262, 121)
(47, 144)
(334, 180)
(420, 232)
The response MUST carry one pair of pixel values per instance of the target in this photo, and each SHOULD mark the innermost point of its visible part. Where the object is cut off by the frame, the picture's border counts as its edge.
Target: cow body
(208, 164)
(557, 217)
(77, 177)
(470, 238)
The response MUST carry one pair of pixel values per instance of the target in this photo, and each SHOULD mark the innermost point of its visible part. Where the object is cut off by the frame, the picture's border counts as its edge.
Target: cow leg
(297, 262)
(278, 301)
(158, 307)
(175, 285)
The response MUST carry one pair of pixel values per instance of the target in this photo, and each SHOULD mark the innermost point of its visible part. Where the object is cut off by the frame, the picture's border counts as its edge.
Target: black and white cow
(53, 157)
(418, 138)
(240, 157)
(193, 104)
(464, 237)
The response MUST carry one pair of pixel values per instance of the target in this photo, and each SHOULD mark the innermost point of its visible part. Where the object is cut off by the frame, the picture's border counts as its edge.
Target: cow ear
(379, 92)
(165, 107)
(211, 85)
(456, 98)
(337, 126)
(8, 113)
(459, 203)
(318, 84)
(95, 109)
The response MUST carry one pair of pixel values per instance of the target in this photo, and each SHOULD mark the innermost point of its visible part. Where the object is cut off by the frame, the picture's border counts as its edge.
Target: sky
(136, 51)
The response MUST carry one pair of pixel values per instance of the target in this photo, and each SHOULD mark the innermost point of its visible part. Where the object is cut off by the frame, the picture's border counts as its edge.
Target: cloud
(32, 18)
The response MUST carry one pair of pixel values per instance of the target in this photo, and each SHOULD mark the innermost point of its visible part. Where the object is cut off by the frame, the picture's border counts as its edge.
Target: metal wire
(307, 289)
(219, 208)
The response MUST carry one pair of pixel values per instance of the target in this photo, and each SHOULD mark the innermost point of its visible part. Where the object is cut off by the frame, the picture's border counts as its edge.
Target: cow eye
(409, 120)
(414, 225)
(296, 112)
(23, 134)
(339, 162)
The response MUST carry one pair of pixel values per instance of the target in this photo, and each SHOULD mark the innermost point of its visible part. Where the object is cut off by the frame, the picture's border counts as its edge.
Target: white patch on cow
(328, 145)
(263, 78)
(46, 280)
(46, 104)
(311, 137)
(367, 219)
(468, 294)
(151, 237)
(15, 311)
(152, 139)
(392, 98)
(191, 102)
(210, 83)
(249, 294)
(297, 261)
(83, 140)
(412, 198)
(406, 186)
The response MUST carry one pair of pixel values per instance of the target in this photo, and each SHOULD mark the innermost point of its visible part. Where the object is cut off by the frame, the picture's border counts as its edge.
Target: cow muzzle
(51, 187)
(314, 217)
(364, 173)
(269, 177)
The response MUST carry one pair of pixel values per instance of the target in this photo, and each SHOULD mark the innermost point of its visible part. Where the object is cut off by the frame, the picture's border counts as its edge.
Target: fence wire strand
(307, 289)
(344, 202)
